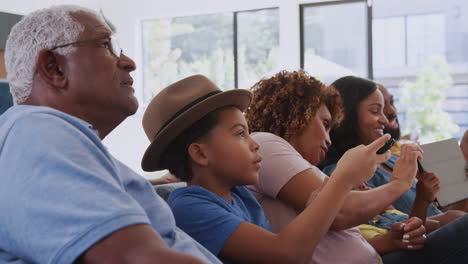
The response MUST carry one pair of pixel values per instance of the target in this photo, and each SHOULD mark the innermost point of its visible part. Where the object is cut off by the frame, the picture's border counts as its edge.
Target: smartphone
(420, 168)
(387, 146)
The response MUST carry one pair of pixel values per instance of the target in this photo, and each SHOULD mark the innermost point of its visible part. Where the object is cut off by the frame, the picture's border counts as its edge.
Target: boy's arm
(359, 206)
(296, 242)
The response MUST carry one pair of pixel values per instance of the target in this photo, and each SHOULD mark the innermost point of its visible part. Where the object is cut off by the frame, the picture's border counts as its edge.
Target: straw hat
(180, 105)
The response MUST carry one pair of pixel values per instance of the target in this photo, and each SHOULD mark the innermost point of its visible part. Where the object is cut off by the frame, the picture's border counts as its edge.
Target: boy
(200, 134)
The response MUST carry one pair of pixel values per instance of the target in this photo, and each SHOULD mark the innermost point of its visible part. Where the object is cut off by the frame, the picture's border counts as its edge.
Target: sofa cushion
(164, 190)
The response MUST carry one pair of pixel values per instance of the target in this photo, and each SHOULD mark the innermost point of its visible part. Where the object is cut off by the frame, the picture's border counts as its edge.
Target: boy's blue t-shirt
(61, 191)
(211, 219)
(405, 202)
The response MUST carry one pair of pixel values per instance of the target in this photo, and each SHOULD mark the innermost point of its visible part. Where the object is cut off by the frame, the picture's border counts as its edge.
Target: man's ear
(197, 153)
(51, 69)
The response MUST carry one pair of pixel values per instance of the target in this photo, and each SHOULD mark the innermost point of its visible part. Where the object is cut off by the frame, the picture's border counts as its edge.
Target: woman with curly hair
(291, 116)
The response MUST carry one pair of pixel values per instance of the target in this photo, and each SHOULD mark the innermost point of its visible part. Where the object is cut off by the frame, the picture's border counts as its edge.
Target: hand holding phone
(387, 146)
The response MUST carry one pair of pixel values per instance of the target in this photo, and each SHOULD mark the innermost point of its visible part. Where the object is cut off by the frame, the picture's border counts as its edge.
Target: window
(426, 38)
(423, 42)
(407, 40)
(175, 48)
(232, 49)
(389, 47)
(335, 39)
(257, 45)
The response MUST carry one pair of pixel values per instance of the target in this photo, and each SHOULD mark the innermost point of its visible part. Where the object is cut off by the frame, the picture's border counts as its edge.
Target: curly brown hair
(285, 103)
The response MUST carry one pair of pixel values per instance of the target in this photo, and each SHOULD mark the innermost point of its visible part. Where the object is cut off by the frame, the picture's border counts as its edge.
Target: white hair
(41, 29)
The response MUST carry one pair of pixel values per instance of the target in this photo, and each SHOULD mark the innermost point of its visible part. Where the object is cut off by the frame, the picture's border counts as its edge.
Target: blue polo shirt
(61, 191)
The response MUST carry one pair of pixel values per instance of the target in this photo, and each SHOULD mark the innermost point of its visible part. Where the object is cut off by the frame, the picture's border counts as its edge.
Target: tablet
(445, 159)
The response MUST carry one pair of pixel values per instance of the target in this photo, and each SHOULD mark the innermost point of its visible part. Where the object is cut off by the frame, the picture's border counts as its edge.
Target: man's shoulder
(28, 115)
(29, 132)
(40, 121)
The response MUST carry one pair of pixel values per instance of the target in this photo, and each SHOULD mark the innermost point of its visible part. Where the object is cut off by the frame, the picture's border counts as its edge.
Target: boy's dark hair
(176, 158)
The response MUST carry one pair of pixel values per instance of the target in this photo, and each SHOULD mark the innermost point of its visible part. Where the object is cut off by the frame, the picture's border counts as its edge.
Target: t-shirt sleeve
(200, 216)
(62, 190)
(280, 163)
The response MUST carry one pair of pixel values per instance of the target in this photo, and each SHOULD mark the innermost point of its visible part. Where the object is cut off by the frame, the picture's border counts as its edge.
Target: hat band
(185, 108)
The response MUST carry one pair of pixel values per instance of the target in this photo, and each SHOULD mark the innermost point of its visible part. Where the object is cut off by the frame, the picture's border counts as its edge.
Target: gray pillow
(164, 190)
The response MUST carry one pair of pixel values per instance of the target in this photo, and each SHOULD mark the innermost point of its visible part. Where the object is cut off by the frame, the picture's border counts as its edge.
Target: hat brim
(151, 159)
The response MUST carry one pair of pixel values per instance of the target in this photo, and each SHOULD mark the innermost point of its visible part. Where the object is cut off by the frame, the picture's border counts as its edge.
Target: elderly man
(63, 197)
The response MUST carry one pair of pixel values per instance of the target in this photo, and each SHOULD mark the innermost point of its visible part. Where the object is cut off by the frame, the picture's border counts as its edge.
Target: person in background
(363, 123)
(393, 125)
(64, 197)
(393, 128)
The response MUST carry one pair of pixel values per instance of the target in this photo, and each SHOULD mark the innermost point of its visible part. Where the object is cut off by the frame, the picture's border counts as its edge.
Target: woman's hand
(410, 234)
(358, 165)
(407, 235)
(406, 166)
